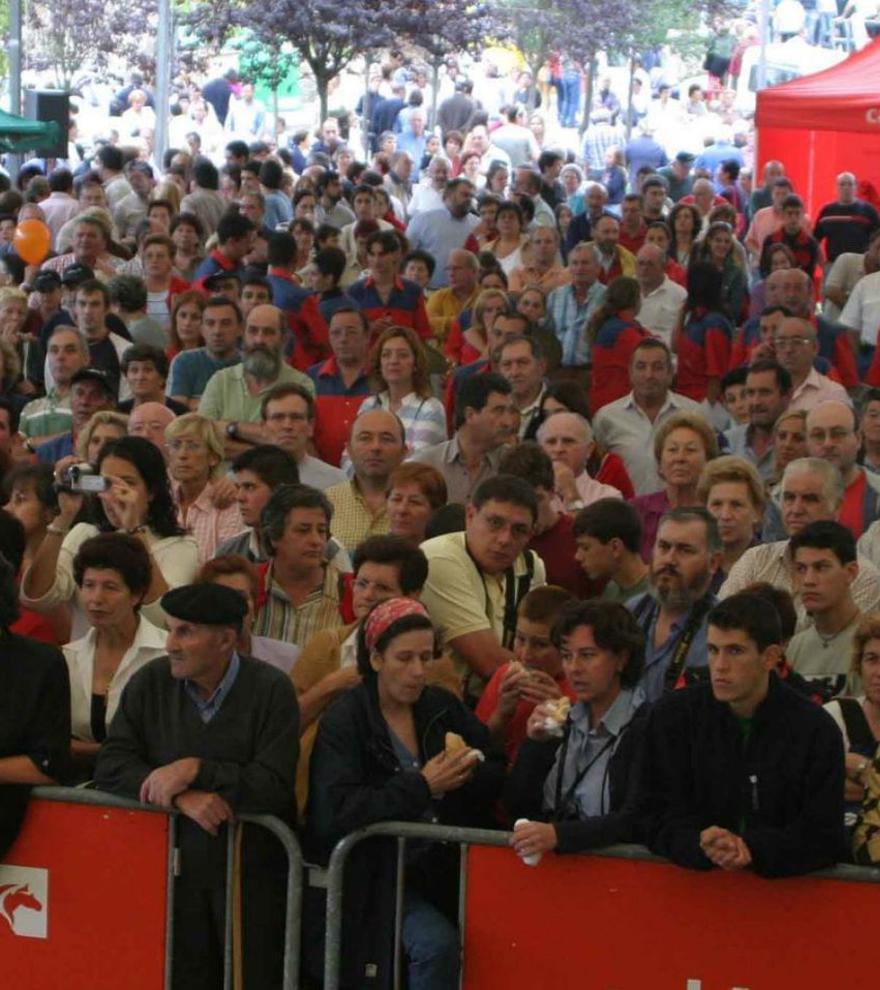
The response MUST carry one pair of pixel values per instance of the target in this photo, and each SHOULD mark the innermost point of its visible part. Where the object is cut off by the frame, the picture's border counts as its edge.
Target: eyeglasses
(792, 341)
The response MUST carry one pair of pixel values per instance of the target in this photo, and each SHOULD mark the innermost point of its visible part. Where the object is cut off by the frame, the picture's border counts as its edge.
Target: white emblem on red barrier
(24, 901)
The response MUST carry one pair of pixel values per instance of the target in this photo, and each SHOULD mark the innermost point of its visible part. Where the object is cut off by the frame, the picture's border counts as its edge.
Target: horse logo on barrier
(24, 901)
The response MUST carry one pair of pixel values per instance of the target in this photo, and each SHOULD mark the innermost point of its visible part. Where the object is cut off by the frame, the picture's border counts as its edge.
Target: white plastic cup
(535, 858)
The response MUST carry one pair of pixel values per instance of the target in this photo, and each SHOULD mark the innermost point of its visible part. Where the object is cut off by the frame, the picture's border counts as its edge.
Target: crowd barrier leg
(293, 907)
(401, 831)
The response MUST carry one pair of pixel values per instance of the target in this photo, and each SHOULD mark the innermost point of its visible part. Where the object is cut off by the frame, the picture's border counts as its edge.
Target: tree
(445, 27)
(269, 65)
(65, 36)
(327, 34)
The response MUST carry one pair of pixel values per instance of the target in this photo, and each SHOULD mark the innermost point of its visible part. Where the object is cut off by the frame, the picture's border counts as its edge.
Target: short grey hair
(81, 339)
(585, 246)
(833, 486)
(580, 420)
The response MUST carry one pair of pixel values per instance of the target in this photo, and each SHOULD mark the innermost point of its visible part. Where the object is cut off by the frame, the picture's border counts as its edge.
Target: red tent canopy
(823, 124)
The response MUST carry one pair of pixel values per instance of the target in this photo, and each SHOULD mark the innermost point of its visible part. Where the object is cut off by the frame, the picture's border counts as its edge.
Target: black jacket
(355, 780)
(34, 719)
(523, 791)
(782, 792)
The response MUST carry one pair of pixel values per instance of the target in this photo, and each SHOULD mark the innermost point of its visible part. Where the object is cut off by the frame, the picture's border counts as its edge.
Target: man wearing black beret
(211, 733)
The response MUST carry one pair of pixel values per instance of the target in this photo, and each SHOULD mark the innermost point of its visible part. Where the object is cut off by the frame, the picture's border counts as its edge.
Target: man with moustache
(234, 395)
(673, 613)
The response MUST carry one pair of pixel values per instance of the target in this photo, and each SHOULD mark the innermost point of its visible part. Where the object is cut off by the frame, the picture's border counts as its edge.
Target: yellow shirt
(459, 598)
(352, 520)
(444, 307)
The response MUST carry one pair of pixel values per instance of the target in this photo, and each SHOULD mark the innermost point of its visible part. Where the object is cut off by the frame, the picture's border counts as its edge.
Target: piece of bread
(454, 743)
(561, 708)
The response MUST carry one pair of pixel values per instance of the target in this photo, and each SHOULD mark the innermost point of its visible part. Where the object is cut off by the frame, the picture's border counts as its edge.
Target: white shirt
(862, 309)
(623, 427)
(424, 199)
(661, 309)
(844, 274)
(148, 643)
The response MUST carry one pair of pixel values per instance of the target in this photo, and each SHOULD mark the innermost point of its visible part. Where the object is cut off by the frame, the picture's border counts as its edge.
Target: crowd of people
(469, 484)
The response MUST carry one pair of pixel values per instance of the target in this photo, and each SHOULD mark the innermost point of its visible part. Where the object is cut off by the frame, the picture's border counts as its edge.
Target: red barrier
(83, 899)
(618, 924)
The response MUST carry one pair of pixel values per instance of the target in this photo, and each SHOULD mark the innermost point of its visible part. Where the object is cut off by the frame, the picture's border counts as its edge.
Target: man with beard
(673, 613)
(440, 232)
(234, 396)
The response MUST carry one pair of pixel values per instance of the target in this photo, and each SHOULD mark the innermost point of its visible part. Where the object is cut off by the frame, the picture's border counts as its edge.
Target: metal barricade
(293, 909)
(402, 831)
(333, 878)
(284, 835)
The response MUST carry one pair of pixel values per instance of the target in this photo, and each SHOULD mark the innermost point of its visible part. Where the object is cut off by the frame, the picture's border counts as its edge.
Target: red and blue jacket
(703, 352)
(611, 351)
(336, 406)
(405, 306)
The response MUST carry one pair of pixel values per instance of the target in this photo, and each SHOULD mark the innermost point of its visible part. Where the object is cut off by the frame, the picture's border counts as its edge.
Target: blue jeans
(431, 944)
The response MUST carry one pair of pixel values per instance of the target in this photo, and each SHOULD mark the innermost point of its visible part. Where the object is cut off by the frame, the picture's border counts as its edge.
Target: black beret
(207, 604)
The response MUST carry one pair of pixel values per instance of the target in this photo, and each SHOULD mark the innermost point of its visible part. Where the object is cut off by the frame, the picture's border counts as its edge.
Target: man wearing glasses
(833, 435)
(476, 579)
(796, 348)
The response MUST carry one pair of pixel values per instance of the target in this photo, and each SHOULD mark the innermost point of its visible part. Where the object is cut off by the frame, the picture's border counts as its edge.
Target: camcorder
(82, 479)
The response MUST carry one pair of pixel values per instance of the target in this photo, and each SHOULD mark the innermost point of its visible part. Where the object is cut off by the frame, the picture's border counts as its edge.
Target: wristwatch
(232, 430)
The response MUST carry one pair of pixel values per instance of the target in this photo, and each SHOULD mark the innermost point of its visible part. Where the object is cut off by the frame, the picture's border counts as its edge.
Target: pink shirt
(817, 388)
(209, 525)
(765, 222)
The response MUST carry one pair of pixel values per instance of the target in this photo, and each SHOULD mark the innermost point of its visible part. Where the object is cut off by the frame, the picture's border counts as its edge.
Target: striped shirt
(208, 525)
(569, 320)
(279, 618)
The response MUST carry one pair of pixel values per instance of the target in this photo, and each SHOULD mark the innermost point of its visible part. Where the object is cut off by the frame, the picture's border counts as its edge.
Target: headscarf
(387, 612)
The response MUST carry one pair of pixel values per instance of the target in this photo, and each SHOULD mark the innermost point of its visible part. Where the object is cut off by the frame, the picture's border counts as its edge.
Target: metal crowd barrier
(402, 831)
(464, 837)
(293, 907)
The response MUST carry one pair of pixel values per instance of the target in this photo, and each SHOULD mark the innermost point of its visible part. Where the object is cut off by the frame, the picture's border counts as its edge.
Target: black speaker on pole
(46, 105)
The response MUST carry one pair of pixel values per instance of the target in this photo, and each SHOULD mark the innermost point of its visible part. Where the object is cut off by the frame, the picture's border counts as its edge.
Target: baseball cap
(93, 374)
(46, 281)
(76, 274)
(686, 158)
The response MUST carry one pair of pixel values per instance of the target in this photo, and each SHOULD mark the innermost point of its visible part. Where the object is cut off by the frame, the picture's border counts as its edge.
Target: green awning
(19, 134)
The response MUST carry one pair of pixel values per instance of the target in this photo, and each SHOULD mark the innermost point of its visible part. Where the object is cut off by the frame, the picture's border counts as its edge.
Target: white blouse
(148, 643)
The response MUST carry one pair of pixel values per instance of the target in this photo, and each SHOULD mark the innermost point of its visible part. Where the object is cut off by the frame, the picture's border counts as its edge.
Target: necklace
(827, 640)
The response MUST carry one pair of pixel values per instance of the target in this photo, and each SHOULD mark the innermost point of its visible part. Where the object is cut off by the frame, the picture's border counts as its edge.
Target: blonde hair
(732, 469)
(169, 191)
(100, 418)
(686, 421)
(10, 293)
(11, 365)
(868, 629)
(195, 424)
(483, 299)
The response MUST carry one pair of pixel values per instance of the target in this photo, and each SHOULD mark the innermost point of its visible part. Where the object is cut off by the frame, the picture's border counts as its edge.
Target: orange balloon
(32, 241)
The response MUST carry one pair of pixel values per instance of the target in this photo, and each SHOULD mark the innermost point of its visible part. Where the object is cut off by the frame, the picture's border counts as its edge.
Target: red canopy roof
(845, 97)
